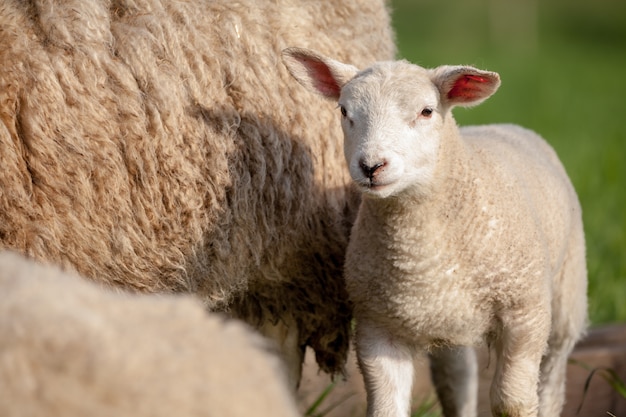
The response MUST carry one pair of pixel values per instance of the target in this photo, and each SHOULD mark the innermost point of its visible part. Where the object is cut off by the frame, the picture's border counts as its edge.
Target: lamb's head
(394, 114)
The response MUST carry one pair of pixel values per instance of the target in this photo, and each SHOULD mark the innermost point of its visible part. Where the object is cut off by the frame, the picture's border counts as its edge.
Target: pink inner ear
(468, 87)
(323, 79)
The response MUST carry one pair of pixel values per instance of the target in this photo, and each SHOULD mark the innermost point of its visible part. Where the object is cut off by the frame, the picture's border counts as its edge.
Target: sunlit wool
(157, 146)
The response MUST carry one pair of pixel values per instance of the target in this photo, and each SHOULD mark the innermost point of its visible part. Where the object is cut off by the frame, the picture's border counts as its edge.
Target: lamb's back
(522, 176)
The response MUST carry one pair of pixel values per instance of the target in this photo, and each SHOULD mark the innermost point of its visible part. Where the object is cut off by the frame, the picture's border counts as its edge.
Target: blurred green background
(563, 69)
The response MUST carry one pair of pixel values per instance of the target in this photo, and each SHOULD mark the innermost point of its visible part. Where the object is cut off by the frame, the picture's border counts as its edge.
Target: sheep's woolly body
(462, 235)
(498, 252)
(155, 145)
(69, 348)
(454, 255)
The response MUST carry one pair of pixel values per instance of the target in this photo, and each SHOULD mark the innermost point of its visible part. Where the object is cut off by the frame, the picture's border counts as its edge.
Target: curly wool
(156, 145)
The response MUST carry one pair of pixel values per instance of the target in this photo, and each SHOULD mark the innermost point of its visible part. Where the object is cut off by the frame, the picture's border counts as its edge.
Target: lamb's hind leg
(455, 376)
(552, 380)
(387, 367)
(569, 320)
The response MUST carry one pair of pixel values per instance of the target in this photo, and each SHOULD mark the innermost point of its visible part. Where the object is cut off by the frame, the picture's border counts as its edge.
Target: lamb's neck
(454, 179)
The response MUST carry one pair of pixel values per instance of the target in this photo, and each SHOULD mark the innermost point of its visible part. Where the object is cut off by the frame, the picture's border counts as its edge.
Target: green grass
(426, 407)
(609, 375)
(562, 65)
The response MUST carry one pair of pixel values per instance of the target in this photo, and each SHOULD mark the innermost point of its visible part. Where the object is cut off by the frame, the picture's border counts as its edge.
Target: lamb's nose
(370, 171)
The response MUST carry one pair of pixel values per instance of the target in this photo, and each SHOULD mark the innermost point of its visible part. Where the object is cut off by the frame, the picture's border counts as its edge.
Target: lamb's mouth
(370, 186)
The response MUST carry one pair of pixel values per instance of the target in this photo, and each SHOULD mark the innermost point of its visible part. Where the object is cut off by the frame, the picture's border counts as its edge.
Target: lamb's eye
(344, 113)
(427, 112)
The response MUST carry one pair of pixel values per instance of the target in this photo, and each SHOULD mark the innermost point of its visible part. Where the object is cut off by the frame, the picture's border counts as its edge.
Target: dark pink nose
(370, 171)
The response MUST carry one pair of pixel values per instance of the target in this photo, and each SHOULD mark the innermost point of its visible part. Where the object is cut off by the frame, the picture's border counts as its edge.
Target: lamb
(70, 348)
(463, 235)
(155, 146)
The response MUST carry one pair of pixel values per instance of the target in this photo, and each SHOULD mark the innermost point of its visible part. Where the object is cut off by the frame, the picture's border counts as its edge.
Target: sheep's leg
(569, 319)
(455, 376)
(568, 324)
(387, 367)
(553, 374)
(565, 334)
(552, 380)
(519, 348)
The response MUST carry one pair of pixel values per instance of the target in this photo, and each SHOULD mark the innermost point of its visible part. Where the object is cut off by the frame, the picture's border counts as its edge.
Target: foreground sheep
(69, 348)
(156, 145)
(462, 234)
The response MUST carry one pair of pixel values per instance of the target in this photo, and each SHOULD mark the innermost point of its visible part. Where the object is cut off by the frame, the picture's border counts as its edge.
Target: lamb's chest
(442, 309)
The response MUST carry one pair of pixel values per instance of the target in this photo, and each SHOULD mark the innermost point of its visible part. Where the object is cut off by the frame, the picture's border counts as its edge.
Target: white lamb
(463, 235)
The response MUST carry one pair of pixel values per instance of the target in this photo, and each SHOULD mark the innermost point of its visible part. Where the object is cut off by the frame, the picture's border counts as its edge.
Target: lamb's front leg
(519, 348)
(387, 367)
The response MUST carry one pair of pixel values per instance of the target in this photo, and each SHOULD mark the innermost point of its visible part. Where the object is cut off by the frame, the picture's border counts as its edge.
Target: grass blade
(608, 374)
(311, 410)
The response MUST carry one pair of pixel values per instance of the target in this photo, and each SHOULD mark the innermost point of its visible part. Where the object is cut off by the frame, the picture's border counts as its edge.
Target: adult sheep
(462, 235)
(71, 348)
(156, 145)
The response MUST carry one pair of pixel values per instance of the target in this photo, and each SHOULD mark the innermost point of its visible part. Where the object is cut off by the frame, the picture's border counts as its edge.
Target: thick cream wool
(70, 348)
(157, 146)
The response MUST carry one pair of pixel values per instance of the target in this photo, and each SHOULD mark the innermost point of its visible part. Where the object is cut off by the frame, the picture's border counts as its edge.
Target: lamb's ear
(317, 73)
(464, 86)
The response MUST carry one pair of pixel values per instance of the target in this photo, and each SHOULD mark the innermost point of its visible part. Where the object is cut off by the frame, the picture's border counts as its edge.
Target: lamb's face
(391, 119)
(394, 114)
